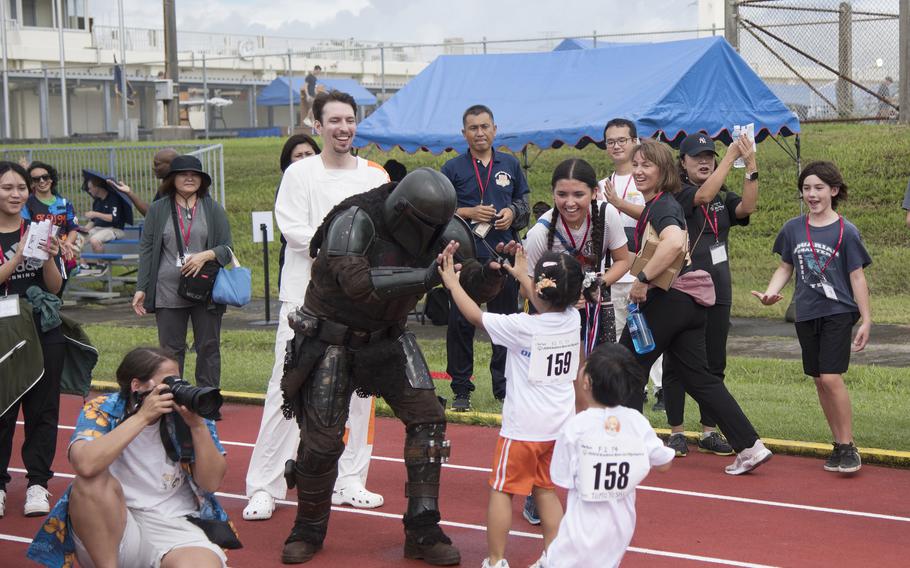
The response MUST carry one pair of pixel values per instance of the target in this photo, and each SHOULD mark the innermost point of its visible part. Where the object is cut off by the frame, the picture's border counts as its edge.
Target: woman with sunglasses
(45, 203)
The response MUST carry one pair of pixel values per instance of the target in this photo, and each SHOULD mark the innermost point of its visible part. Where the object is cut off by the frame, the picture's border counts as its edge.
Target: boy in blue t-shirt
(109, 211)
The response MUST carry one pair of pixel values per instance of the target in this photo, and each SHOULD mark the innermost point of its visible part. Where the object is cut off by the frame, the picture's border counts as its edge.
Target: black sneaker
(659, 402)
(462, 403)
(833, 461)
(715, 444)
(850, 461)
(677, 443)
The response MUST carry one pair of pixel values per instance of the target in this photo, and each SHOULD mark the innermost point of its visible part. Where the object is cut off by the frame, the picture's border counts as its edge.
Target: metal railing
(131, 165)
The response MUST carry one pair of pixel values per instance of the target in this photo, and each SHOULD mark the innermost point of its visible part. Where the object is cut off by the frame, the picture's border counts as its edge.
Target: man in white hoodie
(309, 189)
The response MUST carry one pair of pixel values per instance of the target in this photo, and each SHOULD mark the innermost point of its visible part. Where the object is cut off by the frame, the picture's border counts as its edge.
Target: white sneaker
(260, 507)
(749, 459)
(2, 502)
(358, 497)
(501, 564)
(36, 501)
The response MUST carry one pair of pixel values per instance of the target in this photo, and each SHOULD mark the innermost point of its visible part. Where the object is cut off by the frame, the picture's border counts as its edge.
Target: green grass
(871, 157)
(777, 397)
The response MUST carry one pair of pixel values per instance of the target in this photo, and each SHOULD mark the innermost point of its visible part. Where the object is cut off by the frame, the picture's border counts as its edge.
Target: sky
(424, 21)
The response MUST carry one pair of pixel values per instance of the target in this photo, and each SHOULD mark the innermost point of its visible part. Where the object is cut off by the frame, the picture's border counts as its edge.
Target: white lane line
(15, 538)
(715, 496)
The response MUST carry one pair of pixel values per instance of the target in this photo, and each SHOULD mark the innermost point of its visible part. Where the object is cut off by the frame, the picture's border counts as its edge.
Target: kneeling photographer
(147, 464)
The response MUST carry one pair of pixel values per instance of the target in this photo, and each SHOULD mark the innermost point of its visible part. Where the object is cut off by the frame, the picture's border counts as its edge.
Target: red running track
(789, 512)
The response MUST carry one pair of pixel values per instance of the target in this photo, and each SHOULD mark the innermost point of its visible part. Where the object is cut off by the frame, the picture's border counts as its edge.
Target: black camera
(204, 401)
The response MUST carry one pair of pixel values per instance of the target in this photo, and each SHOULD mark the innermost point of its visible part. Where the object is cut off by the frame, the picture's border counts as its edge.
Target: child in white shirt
(601, 455)
(541, 366)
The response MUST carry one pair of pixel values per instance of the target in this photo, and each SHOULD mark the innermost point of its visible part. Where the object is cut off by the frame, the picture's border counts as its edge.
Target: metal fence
(129, 164)
(826, 59)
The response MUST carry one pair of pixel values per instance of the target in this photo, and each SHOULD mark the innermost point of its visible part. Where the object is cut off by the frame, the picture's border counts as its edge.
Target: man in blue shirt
(493, 198)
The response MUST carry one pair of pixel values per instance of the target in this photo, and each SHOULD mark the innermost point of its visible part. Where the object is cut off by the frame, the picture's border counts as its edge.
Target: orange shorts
(520, 466)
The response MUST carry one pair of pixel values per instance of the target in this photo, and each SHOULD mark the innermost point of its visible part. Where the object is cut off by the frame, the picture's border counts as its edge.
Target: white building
(39, 53)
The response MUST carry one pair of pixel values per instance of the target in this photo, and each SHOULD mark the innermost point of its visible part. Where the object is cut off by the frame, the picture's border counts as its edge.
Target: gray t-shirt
(906, 204)
(793, 247)
(168, 274)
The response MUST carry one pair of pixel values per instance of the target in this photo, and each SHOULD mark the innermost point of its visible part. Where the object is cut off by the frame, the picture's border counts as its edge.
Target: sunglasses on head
(39, 179)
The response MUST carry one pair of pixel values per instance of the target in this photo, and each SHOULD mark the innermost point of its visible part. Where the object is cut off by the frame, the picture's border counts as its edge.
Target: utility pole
(124, 94)
(64, 102)
(171, 69)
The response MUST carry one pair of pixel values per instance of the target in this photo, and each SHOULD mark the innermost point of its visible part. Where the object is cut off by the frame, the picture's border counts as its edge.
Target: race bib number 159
(554, 358)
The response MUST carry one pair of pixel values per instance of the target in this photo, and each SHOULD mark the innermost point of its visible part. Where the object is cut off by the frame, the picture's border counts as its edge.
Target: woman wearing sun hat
(202, 226)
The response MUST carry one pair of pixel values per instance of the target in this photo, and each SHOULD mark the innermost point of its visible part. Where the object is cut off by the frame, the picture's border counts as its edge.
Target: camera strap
(175, 433)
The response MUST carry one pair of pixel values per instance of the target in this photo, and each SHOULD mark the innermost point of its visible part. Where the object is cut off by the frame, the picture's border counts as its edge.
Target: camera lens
(204, 401)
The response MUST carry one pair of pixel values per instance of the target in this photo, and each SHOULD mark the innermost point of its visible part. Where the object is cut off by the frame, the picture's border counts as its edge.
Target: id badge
(181, 260)
(554, 358)
(481, 229)
(829, 291)
(718, 253)
(9, 306)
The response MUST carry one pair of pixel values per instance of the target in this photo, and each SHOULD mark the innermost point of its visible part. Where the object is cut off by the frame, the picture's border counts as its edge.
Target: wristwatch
(642, 278)
(752, 176)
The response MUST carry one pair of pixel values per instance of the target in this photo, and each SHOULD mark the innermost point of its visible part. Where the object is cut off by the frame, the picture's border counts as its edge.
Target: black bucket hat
(187, 163)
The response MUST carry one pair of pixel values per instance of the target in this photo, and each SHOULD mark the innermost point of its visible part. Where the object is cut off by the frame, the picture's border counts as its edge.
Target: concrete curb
(894, 458)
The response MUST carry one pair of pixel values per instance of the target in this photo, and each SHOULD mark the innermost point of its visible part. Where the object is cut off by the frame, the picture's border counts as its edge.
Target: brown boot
(436, 554)
(299, 551)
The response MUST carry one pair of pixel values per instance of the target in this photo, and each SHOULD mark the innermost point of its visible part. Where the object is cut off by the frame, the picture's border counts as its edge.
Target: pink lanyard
(482, 186)
(840, 239)
(584, 239)
(628, 181)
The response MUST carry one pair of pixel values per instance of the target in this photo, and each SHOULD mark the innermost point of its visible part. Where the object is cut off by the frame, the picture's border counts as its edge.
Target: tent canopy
(582, 43)
(566, 97)
(276, 93)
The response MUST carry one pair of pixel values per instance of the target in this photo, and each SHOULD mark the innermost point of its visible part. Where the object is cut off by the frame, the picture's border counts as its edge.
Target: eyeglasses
(39, 179)
(617, 141)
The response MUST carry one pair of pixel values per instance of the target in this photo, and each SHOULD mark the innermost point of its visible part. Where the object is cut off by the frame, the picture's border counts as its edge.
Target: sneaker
(2, 502)
(530, 511)
(749, 459)
(501, 564)
(659, 401)
(462, 403)
(714, 443)
(677, 443)
(833, 461)
(36, 501)
(850, 461)
(260, 506)
(357, 496)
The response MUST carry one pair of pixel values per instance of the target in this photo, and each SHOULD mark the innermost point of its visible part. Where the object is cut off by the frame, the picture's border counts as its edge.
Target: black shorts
(825, 343)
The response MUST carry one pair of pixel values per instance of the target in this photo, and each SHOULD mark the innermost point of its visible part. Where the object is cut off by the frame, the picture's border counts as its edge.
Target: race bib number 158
(610, 468)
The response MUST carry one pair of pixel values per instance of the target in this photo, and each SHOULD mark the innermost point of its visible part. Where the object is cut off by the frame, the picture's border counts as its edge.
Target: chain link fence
(827, 60)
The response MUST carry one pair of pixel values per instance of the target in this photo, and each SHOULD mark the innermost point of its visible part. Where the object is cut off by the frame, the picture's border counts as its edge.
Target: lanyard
(576, 249)
(840, 238)
(643, 222)
(483, 186)
(715, 227)
(186, 233)
(628, 181)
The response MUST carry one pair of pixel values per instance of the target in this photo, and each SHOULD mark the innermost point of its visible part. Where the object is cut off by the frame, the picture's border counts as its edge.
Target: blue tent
(582, 43)
(276, 93)
(566, 97)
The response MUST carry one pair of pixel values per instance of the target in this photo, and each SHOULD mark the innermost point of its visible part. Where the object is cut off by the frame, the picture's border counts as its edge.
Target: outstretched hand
(767, 299)
(518, 267)
(447, 271)
(503, 249)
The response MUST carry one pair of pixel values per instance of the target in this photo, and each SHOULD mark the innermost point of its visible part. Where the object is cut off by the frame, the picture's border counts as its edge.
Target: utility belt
(335, 333)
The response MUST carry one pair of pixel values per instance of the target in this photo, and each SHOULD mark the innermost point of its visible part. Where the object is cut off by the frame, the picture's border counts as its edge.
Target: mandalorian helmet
(419, 209)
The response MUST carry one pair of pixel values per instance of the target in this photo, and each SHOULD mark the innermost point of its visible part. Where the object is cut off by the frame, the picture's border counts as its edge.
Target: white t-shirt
(625, 188)
(533, 412)
(308, 192)
(150, 480)
(596, 534)
(536, 240)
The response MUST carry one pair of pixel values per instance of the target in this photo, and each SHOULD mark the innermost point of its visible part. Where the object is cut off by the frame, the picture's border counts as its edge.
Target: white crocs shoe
(260, 507)
(37, 503)
(501, 564)
(749, 459)
(2, 502)
(358, 497)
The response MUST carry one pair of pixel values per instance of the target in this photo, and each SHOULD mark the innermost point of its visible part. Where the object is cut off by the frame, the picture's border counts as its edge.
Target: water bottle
(641, 333)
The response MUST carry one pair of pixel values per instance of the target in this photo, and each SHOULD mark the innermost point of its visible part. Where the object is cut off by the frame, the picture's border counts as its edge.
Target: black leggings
(678, 326)
(716, 332)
